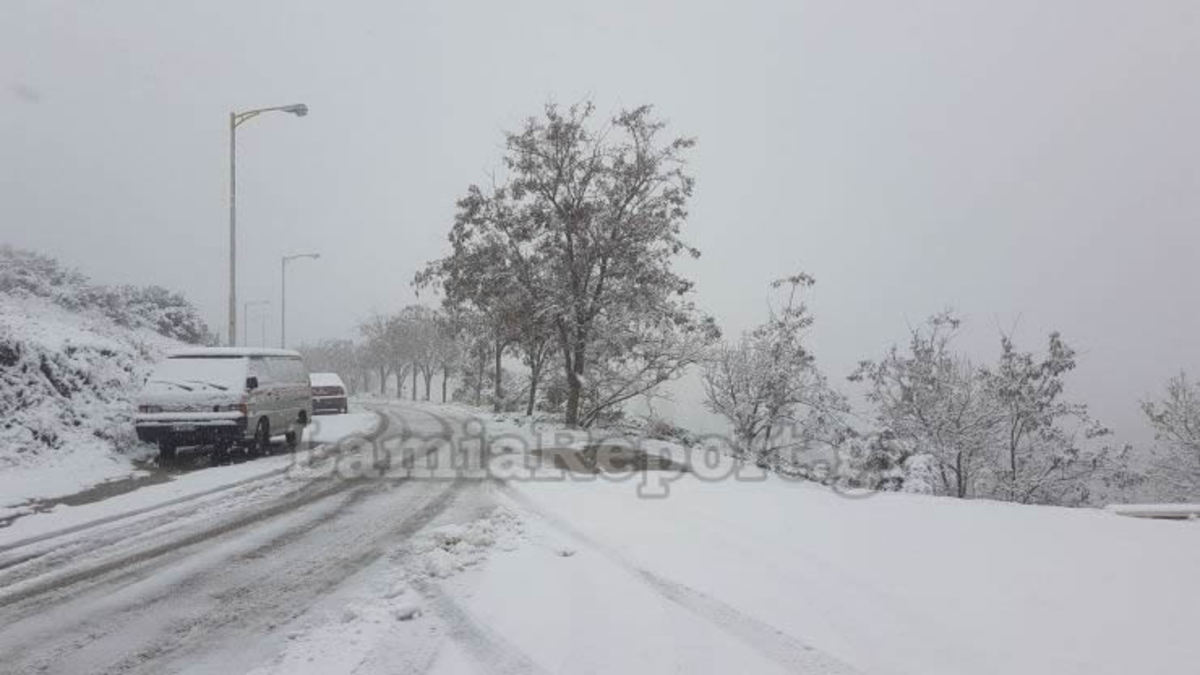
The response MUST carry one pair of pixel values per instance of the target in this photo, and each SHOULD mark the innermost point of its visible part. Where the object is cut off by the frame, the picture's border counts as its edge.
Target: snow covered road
(340, 563)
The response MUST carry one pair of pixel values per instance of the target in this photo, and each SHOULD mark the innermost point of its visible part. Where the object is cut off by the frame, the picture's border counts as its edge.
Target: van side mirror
(251, 383)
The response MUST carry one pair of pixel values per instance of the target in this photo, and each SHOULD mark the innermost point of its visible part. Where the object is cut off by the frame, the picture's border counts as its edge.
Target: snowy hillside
(66, 381)
(72, 355)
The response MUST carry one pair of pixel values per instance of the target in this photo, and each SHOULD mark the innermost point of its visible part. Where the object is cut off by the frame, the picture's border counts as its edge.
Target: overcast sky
(1031, 163)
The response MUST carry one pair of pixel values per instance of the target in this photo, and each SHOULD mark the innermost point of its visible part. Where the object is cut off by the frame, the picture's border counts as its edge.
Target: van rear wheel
(262, 438)
(293, 434)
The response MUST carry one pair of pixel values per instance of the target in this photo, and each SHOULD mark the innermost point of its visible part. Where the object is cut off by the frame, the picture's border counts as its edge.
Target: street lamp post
(283, 293)
(235, 120)
(246, 317)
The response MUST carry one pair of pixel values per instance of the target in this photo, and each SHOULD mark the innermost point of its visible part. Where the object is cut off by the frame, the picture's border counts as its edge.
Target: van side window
(287, 369)
(299, 372)
(278, 370)
(258, 368)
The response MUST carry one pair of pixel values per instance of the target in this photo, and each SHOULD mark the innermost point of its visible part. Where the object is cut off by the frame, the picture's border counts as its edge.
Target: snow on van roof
(325, 380)
(200, 352)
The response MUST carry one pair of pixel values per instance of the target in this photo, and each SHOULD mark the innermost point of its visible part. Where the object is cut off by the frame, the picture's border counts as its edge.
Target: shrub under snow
(25, 274)
(67, 381)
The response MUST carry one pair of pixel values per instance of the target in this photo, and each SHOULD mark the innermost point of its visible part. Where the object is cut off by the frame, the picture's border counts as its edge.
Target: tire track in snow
(491, 652)
(115, 617)
(771, 642)
(379, 430)
(254, 603)
(61, 582)
(307, 495)
(245, 602)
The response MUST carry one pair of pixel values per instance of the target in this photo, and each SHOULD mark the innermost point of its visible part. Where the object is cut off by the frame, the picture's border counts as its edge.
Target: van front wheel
(166, 453)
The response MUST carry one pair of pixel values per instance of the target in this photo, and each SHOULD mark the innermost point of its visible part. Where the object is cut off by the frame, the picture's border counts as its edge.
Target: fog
(1032, 164)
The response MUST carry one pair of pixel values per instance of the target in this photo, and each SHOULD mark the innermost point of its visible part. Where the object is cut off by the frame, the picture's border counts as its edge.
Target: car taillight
(149, 408)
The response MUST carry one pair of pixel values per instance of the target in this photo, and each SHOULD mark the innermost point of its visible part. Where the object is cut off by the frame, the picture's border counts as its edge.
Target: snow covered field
(280, 574)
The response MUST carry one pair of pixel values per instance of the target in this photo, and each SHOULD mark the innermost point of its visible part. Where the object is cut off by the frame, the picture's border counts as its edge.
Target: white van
(224, 397)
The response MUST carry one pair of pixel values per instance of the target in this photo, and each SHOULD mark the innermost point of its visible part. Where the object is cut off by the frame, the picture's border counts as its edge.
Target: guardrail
(1161, 511)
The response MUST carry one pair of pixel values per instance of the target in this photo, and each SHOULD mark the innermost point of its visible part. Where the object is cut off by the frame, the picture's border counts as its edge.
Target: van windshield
(208, 373)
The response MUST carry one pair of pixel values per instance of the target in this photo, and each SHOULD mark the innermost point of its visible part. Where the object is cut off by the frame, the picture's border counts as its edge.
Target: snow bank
(66, 384)
(899, 583)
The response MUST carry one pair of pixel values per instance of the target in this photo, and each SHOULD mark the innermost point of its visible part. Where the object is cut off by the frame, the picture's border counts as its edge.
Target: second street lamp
(236, 119)
(283, 293)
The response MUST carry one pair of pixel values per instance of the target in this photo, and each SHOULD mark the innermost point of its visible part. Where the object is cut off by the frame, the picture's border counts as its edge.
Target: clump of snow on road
(338, 641)
(447, 550)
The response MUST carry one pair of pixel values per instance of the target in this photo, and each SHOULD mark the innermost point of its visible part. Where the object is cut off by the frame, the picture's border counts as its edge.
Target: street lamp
(235, 120)
(246, 317)
(283, 293)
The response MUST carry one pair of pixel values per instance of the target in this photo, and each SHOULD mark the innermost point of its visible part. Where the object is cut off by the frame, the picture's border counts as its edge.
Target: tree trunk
(535, 370)
(480, 363)
(428, 375)
(574, 365)
(960, 473)
(382, 381)
(499, 352)
(400, 374)
(445, 377)
(414, 382)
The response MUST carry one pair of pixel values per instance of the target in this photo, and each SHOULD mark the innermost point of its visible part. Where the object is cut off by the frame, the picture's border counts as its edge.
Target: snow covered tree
(1176, 422)
(1002, 431)
(536, 342)
(767, 385)
(937, 402)
(586, 227)
(634, 357)
(376, 349)
(448, 348)
(413, 336)
(1048, 453)
(479, 279)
